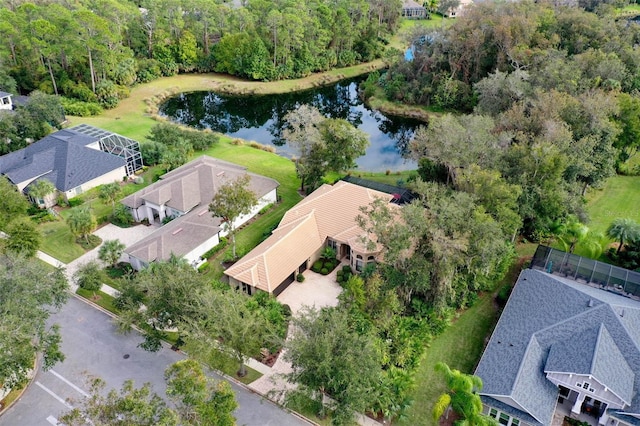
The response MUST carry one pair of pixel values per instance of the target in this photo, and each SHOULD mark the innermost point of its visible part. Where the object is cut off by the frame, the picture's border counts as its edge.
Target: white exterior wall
(6, 103)
(113, 176)
(136, 263)
(193, 256)
(600, 392)
(269, 198)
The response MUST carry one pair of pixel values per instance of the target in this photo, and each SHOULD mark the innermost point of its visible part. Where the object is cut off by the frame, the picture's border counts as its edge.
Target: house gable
(576, 334)
(184, 194)
(328, 212)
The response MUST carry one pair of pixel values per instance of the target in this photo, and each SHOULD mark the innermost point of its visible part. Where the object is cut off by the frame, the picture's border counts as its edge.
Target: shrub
(80, 108)
(90, 276)
(148, 69)
(222, 244)
(300, 278)
(237, 142)
(121, 216)
(503, 295)
(204, 267)
(75, 202)
(324, 271)
(346, 269)
(265, 209)
(317, 266)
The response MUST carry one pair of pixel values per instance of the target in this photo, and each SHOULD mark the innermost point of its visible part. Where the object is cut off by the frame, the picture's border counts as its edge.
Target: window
(331, 243)
(246, 288)
(504, 419)
(359, 263)
(585, 385)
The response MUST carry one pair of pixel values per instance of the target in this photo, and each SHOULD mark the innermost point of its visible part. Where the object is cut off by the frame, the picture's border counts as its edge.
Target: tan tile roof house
(324, 218)
(185, 194)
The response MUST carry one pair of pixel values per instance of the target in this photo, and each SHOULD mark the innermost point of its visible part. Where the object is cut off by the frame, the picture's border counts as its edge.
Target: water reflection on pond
(260, 118)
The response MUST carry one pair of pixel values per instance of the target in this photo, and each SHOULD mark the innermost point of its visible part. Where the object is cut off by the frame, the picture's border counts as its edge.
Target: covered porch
(580, 407)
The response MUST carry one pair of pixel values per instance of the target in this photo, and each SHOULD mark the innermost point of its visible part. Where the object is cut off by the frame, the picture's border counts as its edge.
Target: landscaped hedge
(222, 244)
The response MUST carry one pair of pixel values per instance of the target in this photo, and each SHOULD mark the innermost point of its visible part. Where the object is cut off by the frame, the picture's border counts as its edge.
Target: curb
(25, 387)
(167, 346)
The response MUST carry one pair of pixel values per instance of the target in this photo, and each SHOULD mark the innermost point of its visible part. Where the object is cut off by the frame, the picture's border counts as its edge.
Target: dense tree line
(93, 50)
(549, 107)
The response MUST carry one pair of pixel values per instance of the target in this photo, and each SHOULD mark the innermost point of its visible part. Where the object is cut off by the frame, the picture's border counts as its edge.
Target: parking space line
(52, 420)
(69, 383)
(50, 392)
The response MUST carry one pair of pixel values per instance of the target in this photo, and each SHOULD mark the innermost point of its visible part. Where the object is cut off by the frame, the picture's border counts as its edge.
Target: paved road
(94, 348)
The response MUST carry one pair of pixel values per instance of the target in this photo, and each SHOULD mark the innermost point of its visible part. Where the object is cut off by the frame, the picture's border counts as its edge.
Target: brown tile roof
(177, 237)
(330, 211)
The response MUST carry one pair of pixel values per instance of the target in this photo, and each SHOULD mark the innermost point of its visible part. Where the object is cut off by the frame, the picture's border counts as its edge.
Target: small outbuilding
(5, 101)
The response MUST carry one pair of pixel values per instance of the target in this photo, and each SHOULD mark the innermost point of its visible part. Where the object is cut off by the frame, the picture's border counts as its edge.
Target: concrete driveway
(127, 236)
(317, 290)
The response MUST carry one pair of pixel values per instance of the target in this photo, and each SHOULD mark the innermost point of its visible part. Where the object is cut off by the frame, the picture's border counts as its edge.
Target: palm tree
(623, 229)
(39, 189)
(109, 193)
(462, 397)
(111, 251)
(81, 222)
(593, 244)
(573, 232)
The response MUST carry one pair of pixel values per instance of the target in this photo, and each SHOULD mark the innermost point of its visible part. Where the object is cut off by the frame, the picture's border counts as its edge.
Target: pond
(260, 118)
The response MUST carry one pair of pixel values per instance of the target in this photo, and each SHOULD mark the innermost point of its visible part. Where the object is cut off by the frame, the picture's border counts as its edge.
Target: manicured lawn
(382, 177)
(619, 198)
(59, 242)
(629, 10)
(460, 346)
(101, 299)
(266, 164)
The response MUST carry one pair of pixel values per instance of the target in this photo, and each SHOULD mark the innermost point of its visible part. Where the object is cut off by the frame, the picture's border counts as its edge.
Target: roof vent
(622, 313)
(176, 231)
(220, 173)
(590, 304)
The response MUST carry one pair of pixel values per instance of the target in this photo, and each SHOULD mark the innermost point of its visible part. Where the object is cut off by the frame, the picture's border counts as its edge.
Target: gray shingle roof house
(185, 194)
(566, 348)
(73, 160)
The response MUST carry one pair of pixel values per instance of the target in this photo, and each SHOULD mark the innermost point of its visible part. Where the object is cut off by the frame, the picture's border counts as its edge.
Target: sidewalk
(272, 383)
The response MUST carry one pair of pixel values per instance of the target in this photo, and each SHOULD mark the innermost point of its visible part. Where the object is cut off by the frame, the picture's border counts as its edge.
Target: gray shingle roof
(62, 157)
(4, 94)
(593, 352)
(555, 324)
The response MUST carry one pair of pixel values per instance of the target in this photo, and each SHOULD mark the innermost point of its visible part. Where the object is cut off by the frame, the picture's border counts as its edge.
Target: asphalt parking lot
(93, 348)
